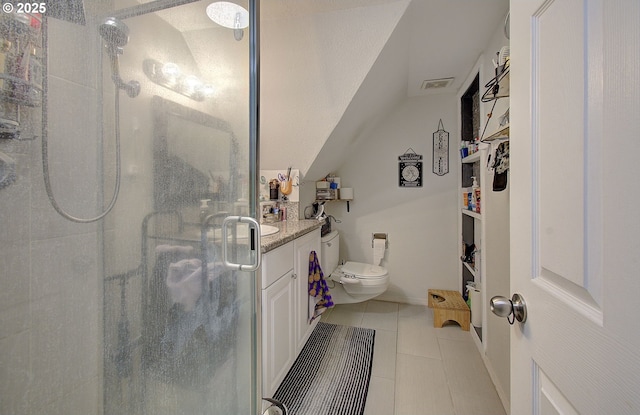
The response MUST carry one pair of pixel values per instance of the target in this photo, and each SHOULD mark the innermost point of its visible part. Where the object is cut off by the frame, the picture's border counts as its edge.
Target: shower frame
(253, 160)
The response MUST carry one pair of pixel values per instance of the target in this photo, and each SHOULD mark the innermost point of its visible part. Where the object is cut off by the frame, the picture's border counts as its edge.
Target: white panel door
(575, 142)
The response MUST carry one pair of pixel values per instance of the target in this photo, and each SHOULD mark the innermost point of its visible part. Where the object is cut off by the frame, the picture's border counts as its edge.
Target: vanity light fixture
(229, 15)
(171, 77)
(170, 72)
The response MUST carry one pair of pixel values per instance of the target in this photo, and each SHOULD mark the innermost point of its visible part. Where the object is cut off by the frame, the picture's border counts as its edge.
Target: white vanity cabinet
(278, 323)
(285, 326)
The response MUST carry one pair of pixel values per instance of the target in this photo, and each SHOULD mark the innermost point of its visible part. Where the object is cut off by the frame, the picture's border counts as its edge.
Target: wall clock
(410, 169)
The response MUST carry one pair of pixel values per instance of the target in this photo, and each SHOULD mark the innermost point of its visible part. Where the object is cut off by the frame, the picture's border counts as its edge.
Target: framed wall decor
(440, 151)
(410, 169)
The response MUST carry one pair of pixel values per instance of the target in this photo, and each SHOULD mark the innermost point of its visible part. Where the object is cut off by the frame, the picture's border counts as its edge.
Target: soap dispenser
(204, 209)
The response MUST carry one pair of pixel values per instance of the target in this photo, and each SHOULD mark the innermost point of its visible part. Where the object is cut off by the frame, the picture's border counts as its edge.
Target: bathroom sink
(266, 230)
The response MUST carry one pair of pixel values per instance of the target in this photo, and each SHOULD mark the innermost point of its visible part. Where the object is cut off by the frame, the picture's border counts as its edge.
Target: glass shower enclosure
(129, 128)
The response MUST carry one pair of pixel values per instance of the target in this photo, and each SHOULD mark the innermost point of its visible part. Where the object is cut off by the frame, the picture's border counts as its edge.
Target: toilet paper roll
(346, 193)
(379, 246)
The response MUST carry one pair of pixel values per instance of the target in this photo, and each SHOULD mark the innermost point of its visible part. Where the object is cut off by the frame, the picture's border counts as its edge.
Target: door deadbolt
(514, 309)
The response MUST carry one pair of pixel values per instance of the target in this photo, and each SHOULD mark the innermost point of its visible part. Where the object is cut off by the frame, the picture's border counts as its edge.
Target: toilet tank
(329, 252)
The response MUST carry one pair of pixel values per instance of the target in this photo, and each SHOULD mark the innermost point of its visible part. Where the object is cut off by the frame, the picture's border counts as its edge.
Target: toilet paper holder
(384, 236)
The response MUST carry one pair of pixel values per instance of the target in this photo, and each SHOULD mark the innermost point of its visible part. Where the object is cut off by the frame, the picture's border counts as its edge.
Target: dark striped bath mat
(331, 374)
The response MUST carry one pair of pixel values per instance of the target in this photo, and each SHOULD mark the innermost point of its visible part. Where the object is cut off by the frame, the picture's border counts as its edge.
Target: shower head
(116, 35)
(114, 32)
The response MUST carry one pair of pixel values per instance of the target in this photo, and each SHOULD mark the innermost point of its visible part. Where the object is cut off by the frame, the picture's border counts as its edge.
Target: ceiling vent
(430, 84)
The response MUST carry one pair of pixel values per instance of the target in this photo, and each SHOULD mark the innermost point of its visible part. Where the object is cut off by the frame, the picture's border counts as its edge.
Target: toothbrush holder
(286, 186)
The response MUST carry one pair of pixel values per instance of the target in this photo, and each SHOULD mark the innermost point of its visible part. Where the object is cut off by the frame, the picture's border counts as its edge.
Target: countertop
(289, 230)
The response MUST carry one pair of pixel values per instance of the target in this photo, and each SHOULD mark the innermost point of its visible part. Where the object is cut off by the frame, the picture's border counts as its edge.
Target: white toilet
(354, 282)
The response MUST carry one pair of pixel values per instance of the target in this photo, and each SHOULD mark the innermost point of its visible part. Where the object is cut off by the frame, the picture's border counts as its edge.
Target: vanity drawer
(276, 263)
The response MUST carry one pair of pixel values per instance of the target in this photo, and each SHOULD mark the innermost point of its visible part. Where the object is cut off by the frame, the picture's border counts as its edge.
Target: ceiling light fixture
(229, 15)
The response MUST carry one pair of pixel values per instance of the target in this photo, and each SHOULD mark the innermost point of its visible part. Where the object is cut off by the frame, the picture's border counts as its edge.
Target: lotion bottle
(475, 193)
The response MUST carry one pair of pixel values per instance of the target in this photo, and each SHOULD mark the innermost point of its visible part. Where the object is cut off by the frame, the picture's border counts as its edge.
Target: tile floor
(418, 369)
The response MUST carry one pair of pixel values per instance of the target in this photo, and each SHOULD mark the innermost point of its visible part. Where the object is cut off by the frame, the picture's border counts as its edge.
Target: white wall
(421, 223)
(383, 89)
(51, 297)
(312, 65)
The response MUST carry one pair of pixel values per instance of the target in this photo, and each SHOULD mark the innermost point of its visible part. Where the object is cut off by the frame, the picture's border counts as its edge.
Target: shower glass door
(179, 324)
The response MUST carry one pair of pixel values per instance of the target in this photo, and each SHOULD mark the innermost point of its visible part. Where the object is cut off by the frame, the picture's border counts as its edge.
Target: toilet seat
(357, 282)
(364, 271)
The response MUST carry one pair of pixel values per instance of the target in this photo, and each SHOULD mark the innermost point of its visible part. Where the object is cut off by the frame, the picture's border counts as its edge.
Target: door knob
(514, 309)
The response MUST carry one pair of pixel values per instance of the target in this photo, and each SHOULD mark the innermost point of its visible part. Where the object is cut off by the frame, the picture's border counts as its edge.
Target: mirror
(194, 157)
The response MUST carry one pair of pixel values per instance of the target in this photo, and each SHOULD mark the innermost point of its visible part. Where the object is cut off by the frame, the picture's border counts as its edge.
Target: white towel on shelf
(184, 282)
(174, 249)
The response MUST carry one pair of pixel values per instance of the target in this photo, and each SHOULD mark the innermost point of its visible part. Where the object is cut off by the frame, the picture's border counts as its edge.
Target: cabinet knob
(294, 276)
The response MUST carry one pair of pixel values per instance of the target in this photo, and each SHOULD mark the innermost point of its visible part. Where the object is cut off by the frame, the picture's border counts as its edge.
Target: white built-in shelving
(488, 229)
(471, 213)
(501, 134)
(471, 268)
(472, 158)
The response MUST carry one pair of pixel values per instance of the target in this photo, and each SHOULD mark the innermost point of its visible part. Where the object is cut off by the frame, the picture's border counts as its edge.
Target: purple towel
(318, 286)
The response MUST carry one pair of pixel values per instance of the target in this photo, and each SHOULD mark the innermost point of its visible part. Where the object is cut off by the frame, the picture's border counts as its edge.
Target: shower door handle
(276, 407)
(254, 242)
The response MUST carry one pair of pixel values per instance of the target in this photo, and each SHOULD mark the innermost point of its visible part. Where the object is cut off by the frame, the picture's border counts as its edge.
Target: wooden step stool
(448, 305)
